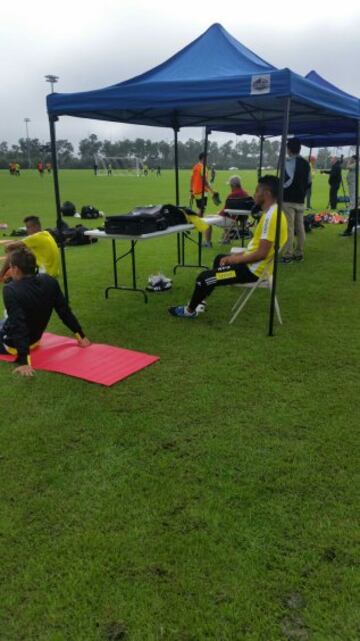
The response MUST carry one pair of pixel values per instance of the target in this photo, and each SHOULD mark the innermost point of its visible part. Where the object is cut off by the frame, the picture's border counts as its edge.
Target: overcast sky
(93, 45)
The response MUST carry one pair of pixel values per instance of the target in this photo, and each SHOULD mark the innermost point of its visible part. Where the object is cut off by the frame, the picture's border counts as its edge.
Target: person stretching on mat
(248, 266)
(29, 300)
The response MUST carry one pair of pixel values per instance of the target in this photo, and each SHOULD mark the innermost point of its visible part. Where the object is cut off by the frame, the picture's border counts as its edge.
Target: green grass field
(214, 496)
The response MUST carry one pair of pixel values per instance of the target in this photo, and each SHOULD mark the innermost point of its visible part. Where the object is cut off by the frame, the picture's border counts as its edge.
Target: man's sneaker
(182, 312)
(286, 260)
(158, 283)
(298, 259)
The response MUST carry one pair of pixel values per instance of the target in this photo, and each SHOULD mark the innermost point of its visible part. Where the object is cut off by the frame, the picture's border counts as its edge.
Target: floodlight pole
(261, 156)
(52, 120)
(52, 80)
(26, 121)
(356, 201)
(282, 157)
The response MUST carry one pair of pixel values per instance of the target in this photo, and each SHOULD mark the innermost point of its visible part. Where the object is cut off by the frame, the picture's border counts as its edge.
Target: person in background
(351, 180)
(354, 219)
(236, 192)
(41, 243)
(17, 169)
(309, 190)
(40, 168)
(48, 167)
(199, 178)
(212, 174)
(29, 300)
(334, 180)
(297, 182)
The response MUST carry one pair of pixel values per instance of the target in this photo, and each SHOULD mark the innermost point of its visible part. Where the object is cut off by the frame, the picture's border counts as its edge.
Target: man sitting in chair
(248, 266)
(237, 192)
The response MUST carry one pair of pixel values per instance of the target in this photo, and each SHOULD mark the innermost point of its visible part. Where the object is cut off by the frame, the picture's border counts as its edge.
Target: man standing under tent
(249, 265)
(296, 184)
(196, 189)
(334, 180)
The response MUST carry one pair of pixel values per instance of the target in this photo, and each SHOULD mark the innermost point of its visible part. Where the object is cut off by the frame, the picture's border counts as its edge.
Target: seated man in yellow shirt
(41, 243)
(248, 266)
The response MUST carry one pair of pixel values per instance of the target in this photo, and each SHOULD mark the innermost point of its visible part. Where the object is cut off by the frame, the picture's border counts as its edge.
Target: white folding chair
(264, 282)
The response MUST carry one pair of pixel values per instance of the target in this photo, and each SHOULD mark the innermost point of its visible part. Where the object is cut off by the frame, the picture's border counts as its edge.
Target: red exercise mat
(97, 363)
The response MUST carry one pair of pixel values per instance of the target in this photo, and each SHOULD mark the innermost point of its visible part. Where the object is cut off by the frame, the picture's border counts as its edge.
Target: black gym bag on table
(145, 220)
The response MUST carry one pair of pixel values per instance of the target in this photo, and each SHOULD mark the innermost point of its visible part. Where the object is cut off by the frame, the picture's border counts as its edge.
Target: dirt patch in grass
(116, 631)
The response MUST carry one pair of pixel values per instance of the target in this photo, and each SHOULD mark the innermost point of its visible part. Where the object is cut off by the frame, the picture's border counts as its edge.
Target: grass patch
(212, 496)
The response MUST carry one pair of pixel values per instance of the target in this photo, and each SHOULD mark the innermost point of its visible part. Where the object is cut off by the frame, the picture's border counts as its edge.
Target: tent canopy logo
(260, 84)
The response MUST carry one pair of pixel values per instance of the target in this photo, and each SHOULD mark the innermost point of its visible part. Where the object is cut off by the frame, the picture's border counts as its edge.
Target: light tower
(26, 121)
(53, 80)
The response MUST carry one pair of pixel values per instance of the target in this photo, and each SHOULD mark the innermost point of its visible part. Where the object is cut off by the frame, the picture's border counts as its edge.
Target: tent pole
(261, 156)
(202, 210)
(177, 193)
(279, 208)
(176, 154)
(205, 167)
(356, 201)
(310, 152)
(52, 120)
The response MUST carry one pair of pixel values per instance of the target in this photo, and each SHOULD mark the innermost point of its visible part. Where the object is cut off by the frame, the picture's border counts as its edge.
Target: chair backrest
(235, 202)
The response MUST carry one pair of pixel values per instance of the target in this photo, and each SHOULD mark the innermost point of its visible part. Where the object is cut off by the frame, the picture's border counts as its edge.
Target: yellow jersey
(265, 230)
(46, 252)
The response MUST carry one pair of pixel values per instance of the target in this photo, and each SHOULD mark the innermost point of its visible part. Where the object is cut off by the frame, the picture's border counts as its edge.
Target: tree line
(242, 154)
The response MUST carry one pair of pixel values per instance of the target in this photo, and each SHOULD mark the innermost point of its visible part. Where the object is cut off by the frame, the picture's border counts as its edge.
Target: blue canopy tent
(215, 82)
(329, 139)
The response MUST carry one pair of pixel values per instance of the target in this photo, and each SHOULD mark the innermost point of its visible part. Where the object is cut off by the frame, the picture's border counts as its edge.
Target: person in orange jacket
(199, 183)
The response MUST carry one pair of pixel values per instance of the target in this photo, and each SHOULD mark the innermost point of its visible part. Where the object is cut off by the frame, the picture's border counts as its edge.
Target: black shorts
(201, 203)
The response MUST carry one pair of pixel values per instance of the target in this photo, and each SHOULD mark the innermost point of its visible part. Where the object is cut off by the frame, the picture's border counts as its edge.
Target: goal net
(118, 165)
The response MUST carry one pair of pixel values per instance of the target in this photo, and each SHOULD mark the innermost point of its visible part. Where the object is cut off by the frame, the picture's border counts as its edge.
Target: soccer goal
(118, 165)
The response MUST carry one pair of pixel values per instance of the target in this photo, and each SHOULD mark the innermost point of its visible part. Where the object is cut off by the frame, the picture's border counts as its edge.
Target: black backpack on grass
(68, 208)
(88, 212)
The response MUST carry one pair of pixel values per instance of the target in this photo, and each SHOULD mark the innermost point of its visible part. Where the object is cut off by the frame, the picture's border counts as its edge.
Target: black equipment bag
(174, 215)
(72, 236)
(89, 212)
(68, 208)
(246, 203)
(142, 220)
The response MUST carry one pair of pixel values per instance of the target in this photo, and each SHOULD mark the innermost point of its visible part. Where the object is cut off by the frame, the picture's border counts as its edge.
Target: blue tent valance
(216, 82)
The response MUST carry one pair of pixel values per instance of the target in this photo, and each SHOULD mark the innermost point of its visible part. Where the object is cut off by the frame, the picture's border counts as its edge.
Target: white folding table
(178, 229)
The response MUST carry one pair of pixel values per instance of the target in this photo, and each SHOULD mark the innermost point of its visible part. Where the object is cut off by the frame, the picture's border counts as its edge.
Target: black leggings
(3, 350)
(217, 277)
(333, 195)
(352, 220)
